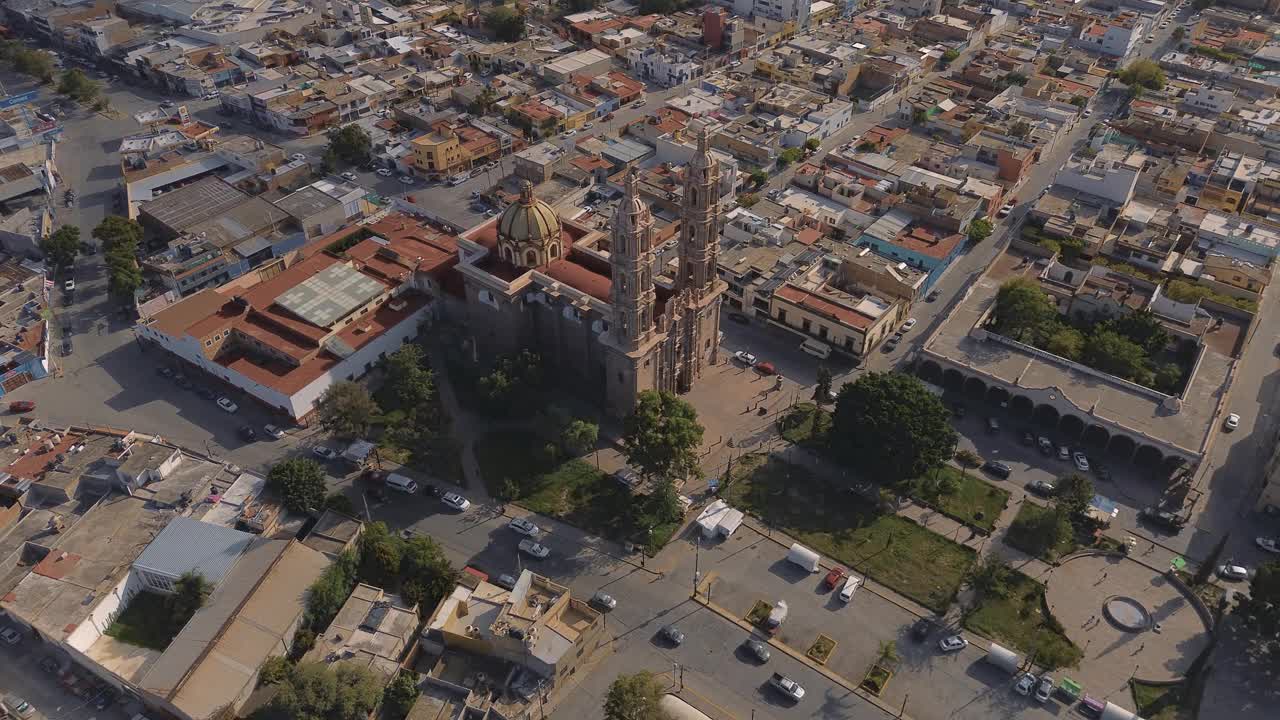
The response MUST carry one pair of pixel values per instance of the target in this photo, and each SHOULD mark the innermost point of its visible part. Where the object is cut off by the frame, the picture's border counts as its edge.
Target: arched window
(555, 250)
(531, 257)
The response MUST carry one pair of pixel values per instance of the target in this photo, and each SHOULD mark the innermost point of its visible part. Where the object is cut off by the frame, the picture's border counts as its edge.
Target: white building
(1230, 234)
(1112, 175)
(1209, 99)
(1117, 40)
(797, 10)
(666, 67)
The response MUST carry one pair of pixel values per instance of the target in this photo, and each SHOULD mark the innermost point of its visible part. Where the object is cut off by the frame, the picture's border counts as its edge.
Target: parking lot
(53, 696)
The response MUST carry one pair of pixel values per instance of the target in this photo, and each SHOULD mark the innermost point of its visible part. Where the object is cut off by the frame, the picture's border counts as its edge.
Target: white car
(745, 358)
(952, 643)
(1232, 422)
(226, 404)
(588, 126)
(349, 176)
(533, 549)
(324, 453)
(851, 586)
(1044, 689)
(69, 286)
(1267, 544)
(1233, 572)
(297, 156)
(272, 431)
(409, 181)
(524, 527)
(1026, 681)
(1088, 112)
(1082, 462)
(384, 172)
(455, 501)
(1005, 210)
(906, 326)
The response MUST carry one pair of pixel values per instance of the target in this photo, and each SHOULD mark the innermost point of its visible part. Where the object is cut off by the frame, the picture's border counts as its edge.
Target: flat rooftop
(1188, 429)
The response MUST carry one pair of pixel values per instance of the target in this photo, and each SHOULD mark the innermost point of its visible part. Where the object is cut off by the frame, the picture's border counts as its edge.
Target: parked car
(1043, 488)
(1162, 518)
(273, 432)
(758, 649)
(1267, 544)
(1232, 422)
(69, 286)
(672, 634)
(1046, 447)
(21, 406)
(248, 433)
(933, 295)
(1081, 462)
(1026, 681)
(628, 477)
(833, 578)
(17, 707)
(906, 326)
(226, 404)
(603, 600)
(745, 358)
(1044, 689)
(921, 629)
(455, 501)
(324, 453)
(851, 585)
(506, 582)
(10, 636)
(787, 686)
(952, 643)
(405, 179)
(997, 468)
(1064, 452)
(764, 367)
(349, 176)
(1233, 572)
(524, 527)
(383, 172)
(533, 549)
(297, 156)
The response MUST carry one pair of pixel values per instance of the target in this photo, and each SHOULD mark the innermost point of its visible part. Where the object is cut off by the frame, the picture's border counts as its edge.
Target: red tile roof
(821, 306)
(928, 242)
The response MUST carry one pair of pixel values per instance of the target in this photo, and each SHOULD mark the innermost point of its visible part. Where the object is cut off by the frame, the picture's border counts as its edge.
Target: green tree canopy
(812, 144)
(77, 86)
(124, 277)
(790, 155)
(1111, 352)
(989, 576)
(1144, 329)
(400, 695)
(426, 575)
(118, 232)
(661, 437)
(579, 437)
(635, 697)
(746, 200)
(1143, 73)
(506, 23)
(299, 482)
(409, 379)
(62, 246)
(1065, 342)
(759, 177)
(891, 427)
(380, 552)
(1023, 311)
(35, 63)
(1040, 532)
(822, 388)
(1072, 495)
(950, 55)
(346, 409)
(316, 691)
(327, 594)
(350, 144)
(979, 230)
(190, 592)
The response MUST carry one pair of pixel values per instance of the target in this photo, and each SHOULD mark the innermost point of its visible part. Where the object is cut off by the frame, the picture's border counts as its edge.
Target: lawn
(975, 501)
(573, 491)
(1030, 541)
(1160, 702)
(144, 622)
(916, 562)
(1018, 619)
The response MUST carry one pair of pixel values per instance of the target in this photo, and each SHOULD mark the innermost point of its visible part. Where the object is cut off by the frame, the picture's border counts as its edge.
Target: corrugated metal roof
(187, 544)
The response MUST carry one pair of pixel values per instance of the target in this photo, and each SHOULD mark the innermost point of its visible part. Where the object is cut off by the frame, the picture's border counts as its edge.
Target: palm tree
(888, 652)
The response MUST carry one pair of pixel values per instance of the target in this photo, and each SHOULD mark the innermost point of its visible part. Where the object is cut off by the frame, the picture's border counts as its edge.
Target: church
(595, 306)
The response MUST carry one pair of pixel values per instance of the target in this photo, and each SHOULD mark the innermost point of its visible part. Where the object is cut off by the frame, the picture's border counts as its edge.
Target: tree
(400, 695)
(350, 144)
(1016, 78)
(812, 144)
(118, 232)
(1071, 247)
(1020, 129)
(409, 380)
(1143, 73)
(890, 426)
(968, 457)
(866, 146)
(273, 671)
(989, 577)
(748, 199)
(887, 652)
(635, 697)
(190, 592)
(1023, 311)
(1066, 342)
(380, 552)
(124, 277)
(483, 103)
(950, 55)
(661, 437)
(979, 230)
(338, 502)
(1144, 329)
(1178, 33)
(506, 23)
(788, 156)
(759, 177)
(1111, 352)
(426, 575)
(579, 437)
(512, 382)
(77, 86)
(1079, 101)
(316, 691)
(920, 117)
(1073, 493)
(1168, 378)
(35, 63)
(822, 388)
(61, 246)
(327, 594)
(1039, 533)
(300, 484)
(1259, 612)
(346, 409)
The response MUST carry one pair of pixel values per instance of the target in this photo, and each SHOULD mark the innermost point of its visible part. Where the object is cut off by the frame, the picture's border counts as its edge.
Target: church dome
(529, 221)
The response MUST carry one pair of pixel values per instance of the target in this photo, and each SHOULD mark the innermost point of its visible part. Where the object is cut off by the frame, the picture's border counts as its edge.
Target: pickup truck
(787, 686)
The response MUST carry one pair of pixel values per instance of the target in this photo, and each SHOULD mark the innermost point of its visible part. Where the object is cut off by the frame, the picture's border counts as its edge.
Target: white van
(804, 557)
(817, 349)
(401, 483)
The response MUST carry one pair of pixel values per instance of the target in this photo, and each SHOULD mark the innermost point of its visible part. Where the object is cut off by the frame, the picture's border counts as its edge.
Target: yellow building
(1221, 198)
(438, 154)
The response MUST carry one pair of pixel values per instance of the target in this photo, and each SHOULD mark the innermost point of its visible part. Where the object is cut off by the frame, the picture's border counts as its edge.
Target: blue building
(898, 235)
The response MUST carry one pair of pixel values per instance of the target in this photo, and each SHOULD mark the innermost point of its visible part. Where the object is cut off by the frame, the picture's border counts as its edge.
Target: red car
(21, 406)
(765, 367)
(834, 577)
